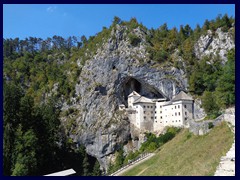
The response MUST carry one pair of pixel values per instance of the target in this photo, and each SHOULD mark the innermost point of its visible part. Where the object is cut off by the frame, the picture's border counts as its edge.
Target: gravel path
(227, 163)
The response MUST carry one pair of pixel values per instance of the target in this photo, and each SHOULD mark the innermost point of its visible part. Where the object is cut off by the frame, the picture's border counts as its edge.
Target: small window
(155, 112)
(161, 117)
(160, 111)
(151, 117)
(185, 106)
(144, 112)
(176, 120)
(155, 117)
(178, 106)
(136, 106)
(179, 113)
(144, 106)
(151, 111)
(185, 119)
(185, 113)
(175, 114)
(144, 117)
(155, 106)
(179, 120)
(151, 106)
(160, 106)
(175, 107)
(155, 121)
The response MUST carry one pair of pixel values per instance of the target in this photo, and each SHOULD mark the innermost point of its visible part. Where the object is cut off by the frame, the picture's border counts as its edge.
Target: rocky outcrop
(105, 82)
(215, 43)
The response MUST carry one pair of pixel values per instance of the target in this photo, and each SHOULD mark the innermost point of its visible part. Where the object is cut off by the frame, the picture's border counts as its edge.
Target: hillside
(187, 155)
(69, 90)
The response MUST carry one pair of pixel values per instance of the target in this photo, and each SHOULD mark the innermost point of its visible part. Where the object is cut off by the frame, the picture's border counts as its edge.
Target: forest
(35, 142)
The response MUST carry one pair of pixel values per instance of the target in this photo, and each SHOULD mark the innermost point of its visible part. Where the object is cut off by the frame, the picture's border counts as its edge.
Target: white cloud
(51, 9)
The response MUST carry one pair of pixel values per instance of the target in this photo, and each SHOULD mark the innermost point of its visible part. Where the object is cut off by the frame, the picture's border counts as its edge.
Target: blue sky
(47, 20)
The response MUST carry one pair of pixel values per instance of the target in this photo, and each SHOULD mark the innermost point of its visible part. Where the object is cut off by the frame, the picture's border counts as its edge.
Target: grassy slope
(188, 155)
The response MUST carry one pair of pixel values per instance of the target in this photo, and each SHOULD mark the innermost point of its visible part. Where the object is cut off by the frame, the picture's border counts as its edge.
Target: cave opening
(132, 84)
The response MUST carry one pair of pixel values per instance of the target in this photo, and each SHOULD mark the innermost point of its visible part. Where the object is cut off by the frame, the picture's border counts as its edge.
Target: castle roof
(143, 99)
(134, 93)
(182, 96)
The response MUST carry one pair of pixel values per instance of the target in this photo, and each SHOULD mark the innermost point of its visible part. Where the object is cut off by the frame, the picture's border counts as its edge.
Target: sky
(47, 20)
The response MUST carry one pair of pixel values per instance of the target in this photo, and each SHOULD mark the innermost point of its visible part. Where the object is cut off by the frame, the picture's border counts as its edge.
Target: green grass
(187, 155)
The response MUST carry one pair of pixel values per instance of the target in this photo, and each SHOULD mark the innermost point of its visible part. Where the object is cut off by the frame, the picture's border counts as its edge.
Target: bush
(134, 39)
(210, 125)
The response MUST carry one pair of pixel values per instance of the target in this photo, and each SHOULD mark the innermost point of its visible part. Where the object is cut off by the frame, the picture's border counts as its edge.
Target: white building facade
(153, 115)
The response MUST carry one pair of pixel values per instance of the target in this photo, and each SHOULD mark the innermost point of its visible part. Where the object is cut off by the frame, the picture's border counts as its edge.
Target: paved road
(134, 164)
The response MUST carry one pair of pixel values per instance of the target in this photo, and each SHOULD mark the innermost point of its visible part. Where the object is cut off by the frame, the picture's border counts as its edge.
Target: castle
(152, 115)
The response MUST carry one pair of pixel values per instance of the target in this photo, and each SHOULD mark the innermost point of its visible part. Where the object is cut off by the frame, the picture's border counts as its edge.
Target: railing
(131, 162)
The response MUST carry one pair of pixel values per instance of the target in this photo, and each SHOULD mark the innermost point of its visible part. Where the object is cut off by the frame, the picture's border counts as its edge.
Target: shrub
(134, 39)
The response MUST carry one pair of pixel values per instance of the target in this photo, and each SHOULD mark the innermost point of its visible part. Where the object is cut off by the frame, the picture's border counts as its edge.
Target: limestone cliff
(111, 74)
(214, 43)
(106, 80)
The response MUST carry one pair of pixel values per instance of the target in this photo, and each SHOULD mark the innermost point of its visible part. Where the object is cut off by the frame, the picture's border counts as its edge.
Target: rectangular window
(185, 119)
(178, 106)
(144, 112)
(175, 107)
(151, 117)
(185, 113)
(151, 106)
(160, 106)
(155, 117)
(155, 121)
(144, 117)
(161, 117)
(144, 106)
(160, 111)
(147, 106)
(179, 120)
(179, 113)
(175, 114)
(185, 106)
(155, 112)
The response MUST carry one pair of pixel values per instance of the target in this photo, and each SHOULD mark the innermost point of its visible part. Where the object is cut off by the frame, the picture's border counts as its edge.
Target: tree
(225, 91)
(11, 104)
(116, 20)
(209, 104)
(96, 169)
(24, 155)
(86, 165)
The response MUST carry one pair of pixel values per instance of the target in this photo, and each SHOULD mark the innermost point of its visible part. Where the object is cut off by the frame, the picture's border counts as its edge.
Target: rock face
(115, 71)
(213, 44)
